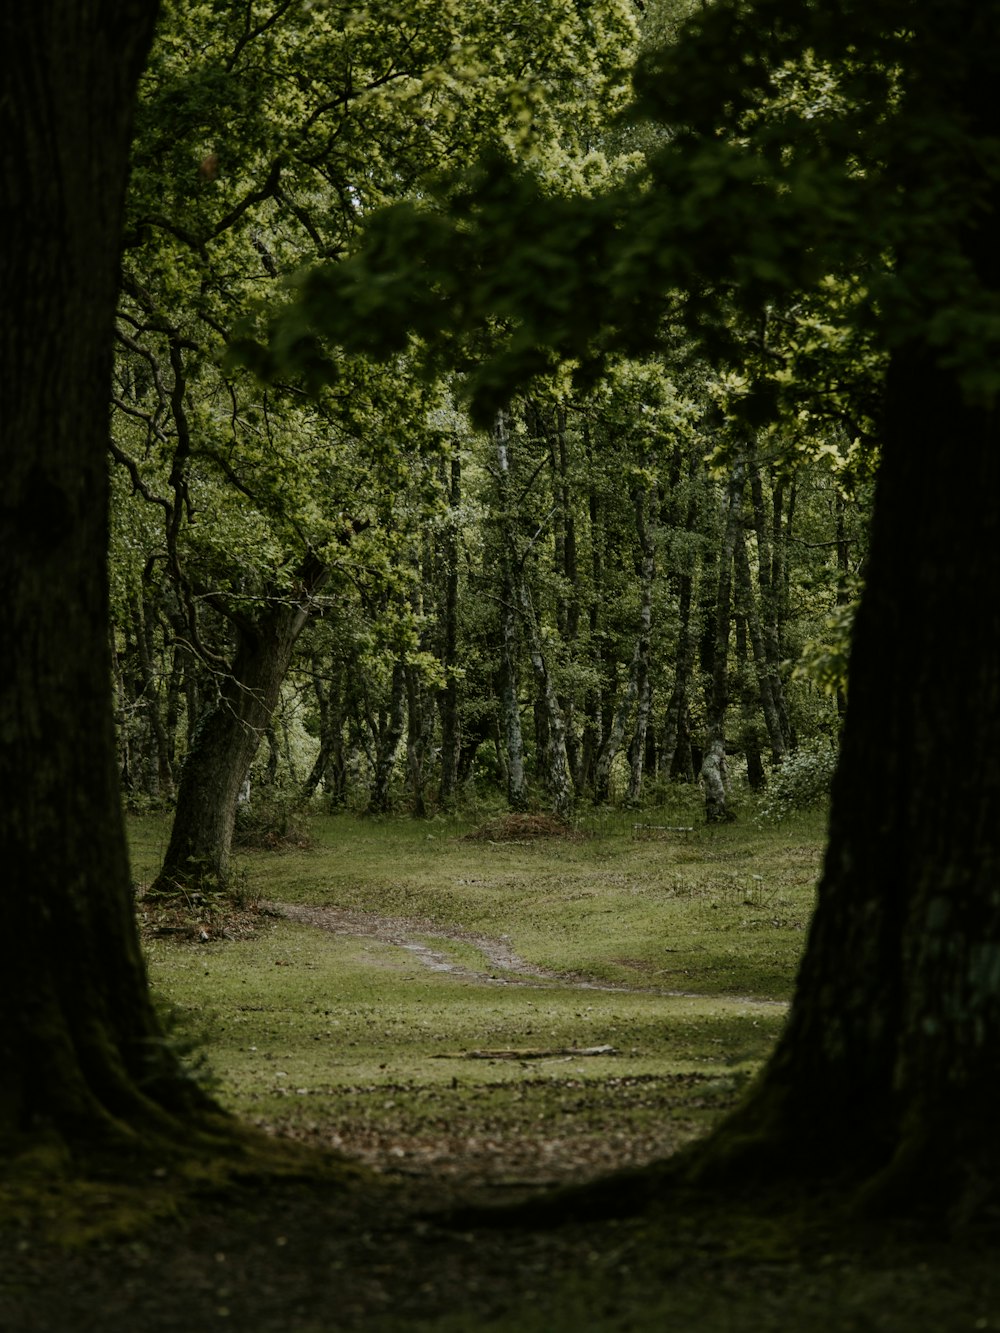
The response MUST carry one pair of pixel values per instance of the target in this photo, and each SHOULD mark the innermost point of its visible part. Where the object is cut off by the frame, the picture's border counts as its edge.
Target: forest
(358, 597)
(486, 482)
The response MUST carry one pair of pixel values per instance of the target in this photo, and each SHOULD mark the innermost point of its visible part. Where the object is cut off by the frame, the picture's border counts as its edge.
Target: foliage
(801, 782)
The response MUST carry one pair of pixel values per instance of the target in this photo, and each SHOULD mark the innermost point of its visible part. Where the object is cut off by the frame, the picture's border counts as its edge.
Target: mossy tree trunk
(226, 740)
(80, 1047)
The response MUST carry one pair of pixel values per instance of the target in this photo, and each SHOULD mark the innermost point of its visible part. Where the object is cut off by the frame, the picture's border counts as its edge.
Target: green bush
(800, 782)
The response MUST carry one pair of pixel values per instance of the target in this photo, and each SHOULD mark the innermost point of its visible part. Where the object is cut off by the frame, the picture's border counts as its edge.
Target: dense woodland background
(612, 587)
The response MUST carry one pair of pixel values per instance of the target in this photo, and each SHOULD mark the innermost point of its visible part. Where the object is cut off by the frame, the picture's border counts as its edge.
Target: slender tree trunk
(555, 762)
(643, 644)
(676, 733)
(749, 711)
(80, 1045)
(388, 742)
(592, 734)
(451, 734)
(517, 790)
(639, 667)
(713, 765)
(762, 666)
(419, 726)
(843, 572)
(161, 770)
(330, 766)
(771, 575)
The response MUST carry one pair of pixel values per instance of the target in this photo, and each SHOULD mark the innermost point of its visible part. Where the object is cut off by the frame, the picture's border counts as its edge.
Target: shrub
(801, 781)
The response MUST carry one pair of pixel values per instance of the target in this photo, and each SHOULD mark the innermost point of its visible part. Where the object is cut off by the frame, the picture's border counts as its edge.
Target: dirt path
(410, 933)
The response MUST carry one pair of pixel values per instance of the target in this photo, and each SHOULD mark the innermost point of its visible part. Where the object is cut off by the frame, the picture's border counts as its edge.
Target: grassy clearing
(365, 1041)
(357, 1043)
(717, 910)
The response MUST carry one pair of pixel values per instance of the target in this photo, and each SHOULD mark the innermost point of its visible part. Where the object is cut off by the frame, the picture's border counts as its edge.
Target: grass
(470, 1084)
(675, 949)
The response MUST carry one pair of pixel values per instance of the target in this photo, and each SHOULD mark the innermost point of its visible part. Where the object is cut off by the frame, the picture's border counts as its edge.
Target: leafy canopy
(825, 158)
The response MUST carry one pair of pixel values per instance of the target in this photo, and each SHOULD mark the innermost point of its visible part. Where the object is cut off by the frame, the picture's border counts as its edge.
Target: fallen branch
(546, 1054)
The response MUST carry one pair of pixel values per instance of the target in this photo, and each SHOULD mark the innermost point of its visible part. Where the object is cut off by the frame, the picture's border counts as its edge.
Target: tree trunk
(888, 1065)
(388, 739)
(676, 733)
(765, 679)
(419, 728)
(447, 699)
(517, 791)
(80, 1046)
(771, 577)
(555, 765)
(225, 742)
(643, 644)
(638, 676)
(713, 764)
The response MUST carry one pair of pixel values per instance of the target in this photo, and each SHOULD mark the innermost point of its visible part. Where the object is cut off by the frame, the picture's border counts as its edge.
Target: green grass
(716, 911)
(355, 1042)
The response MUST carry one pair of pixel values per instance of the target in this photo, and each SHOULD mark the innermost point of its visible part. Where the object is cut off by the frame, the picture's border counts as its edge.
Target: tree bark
(888, 1065)
(447, 699)
(225, 743)
(766, 680)
(771, 576)
(388, 739)
(637, 685)
(713, 764)
(80, 1045)
(517, 791)
(676, 733)
(555, 765)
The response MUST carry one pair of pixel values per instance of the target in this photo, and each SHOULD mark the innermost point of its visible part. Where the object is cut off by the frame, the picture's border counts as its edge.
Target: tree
(819, 146)
(326, 115)
(82, 1053)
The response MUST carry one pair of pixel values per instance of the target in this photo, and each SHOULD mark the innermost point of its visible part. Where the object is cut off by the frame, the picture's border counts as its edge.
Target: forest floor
(474, 1023)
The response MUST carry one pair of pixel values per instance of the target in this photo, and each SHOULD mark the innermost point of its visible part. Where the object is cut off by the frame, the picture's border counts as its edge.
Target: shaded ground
(294, 1259)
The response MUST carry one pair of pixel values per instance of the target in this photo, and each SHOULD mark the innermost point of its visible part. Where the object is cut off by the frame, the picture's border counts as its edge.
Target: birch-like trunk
(713, 774)
(510, 708)
(448, 697)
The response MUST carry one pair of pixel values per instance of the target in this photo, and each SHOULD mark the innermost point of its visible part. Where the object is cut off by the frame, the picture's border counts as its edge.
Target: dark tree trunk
(225, 742)
(888, 1065)
(552, 762)
(388, 738)
(643, 645)
(160, 776)
(676, 733)
(330, 766)
(79, 1044)
(636, 687)
(771, 576)
(419, 728)
(766, 680)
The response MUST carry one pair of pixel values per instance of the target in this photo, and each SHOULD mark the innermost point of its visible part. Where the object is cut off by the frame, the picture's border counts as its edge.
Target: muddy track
(503, 966)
